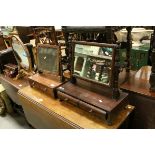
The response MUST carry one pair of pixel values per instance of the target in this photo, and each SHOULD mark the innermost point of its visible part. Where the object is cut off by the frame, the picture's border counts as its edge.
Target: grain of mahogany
(51, 111)
(142, 98)
(12, 86)
(93, 98)
(139, 83)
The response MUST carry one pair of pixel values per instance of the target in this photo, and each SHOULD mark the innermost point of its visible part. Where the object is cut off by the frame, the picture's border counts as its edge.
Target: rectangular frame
(114, 46)
(58, 55)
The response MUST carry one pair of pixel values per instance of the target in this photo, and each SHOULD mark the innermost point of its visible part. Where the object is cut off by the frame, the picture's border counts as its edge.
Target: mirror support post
(116, 92)
(128, 49)
(152, 76)
(114, 82)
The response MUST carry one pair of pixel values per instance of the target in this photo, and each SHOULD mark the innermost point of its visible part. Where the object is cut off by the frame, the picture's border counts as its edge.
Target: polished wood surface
(18, 84)
(142, 98)
(139, 83)
(95, 99)
(45, 84)
(12, 86)
(48, 82)
(42, 111)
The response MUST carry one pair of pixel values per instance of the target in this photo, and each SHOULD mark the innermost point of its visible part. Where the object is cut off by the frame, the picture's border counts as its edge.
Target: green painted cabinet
(138, 57)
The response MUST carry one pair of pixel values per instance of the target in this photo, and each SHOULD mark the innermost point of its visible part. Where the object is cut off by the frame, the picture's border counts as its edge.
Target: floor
(14, 121)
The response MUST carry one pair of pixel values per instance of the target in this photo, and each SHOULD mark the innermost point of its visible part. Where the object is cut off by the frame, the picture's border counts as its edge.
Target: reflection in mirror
(21, 53)
(79, 64)
(48, 59)
(93, 62)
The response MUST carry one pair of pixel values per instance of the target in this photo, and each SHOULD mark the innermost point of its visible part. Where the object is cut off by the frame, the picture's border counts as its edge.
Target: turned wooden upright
(152, 76)
(128, 48)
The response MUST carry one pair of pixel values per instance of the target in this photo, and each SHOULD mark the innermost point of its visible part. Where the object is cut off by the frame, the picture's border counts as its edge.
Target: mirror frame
(114, 46)
(58, 73)
(27, 52)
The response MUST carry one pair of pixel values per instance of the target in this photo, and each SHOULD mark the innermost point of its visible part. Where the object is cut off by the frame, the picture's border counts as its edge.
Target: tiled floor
(14, 121)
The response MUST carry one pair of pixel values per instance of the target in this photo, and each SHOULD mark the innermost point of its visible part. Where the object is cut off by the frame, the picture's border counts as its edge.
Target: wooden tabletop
(18, 84)
(70, 113)
(139, 83)
(88, 96)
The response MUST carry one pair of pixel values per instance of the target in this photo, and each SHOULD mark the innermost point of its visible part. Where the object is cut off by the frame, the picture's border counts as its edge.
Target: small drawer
(40, 87)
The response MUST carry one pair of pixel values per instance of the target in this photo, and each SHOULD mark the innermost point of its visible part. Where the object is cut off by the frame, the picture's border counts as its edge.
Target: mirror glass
(93, 62)
(20, 50)
(48, 59)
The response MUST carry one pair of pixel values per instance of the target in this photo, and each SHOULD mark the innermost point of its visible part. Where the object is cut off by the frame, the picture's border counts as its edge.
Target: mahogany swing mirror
(48, 77)
(94, 62)
(21, 53)
(48, 59)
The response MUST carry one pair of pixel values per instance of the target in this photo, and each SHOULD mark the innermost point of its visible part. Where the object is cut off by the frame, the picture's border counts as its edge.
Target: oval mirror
(21, 53)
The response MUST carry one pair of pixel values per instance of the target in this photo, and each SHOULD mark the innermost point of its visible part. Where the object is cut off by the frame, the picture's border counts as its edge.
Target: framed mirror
(21, 53)
(48, 59)
(93, 61)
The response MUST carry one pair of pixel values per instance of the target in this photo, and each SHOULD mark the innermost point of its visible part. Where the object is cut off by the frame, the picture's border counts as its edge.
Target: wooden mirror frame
(114, 46)
(58, 73)
(28, 69)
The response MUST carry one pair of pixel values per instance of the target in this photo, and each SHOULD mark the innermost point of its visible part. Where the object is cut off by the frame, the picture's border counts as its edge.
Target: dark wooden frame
(152, 49)
(114, 46)
(108, 30)
(69, 31)
(59, 72)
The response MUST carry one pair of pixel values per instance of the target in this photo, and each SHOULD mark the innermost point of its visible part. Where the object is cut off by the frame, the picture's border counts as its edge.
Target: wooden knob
(33, 84)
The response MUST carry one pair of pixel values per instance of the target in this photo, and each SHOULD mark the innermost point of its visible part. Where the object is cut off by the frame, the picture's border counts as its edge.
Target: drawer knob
(66, 99)
(33, 84)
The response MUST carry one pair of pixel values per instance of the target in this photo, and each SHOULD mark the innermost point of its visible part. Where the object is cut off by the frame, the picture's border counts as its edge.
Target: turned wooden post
(110, 39)
(152, 76)
(116, 92)
(53, 36)
(69, 37)
(128, 49)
